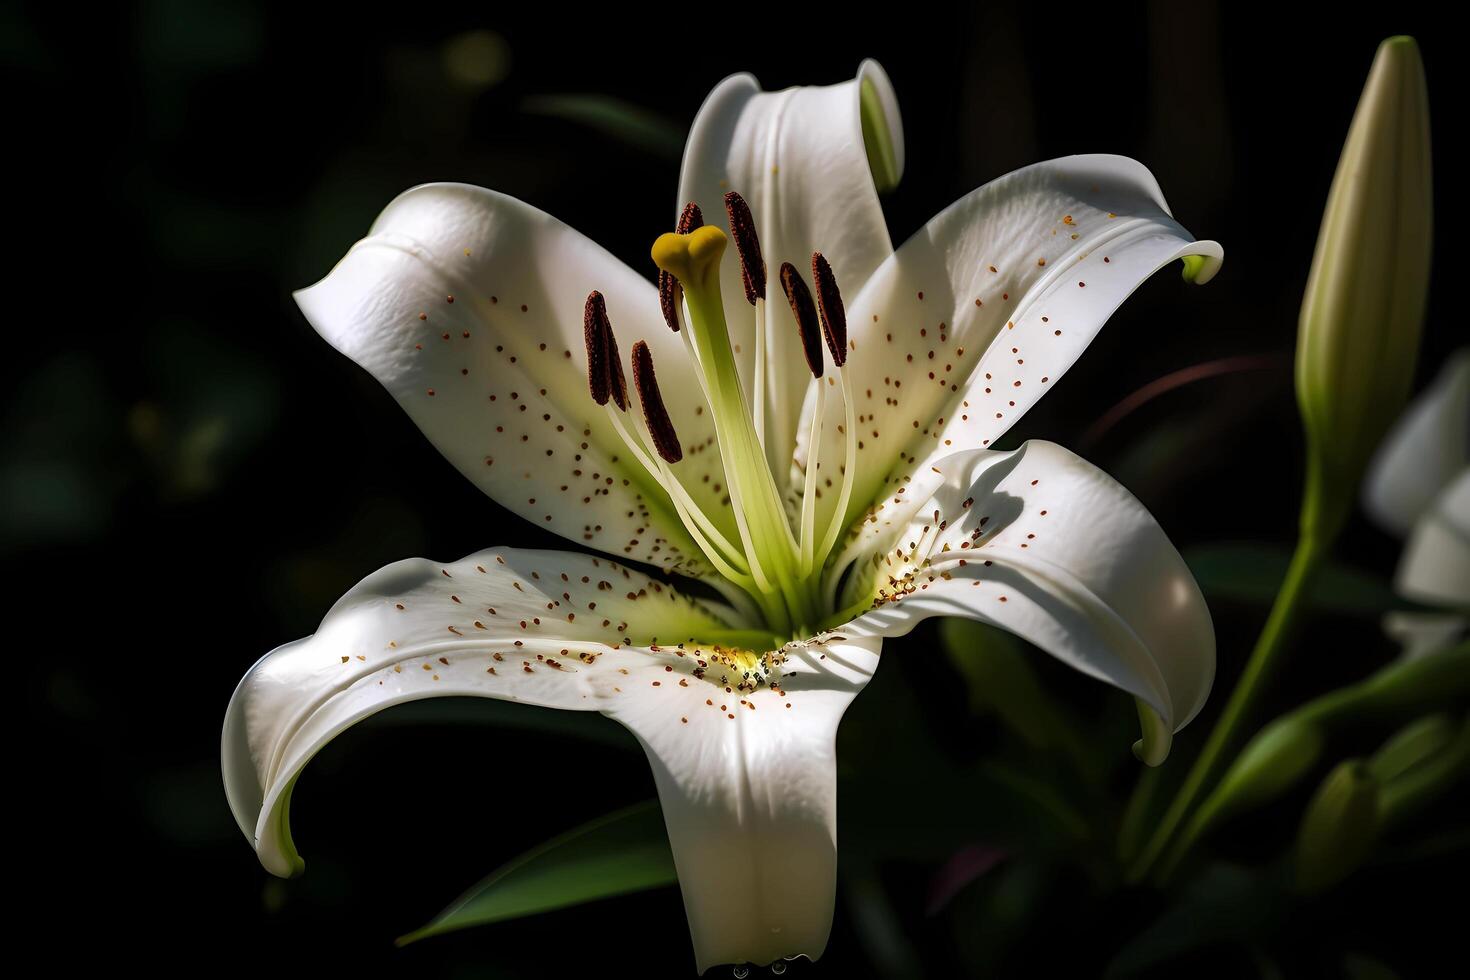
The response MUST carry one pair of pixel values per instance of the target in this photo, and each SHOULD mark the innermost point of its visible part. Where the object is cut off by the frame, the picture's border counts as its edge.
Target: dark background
(190, 476)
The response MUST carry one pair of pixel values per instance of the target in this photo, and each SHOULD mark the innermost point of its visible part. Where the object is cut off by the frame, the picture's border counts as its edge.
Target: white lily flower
(486, 319)
(1418, 488)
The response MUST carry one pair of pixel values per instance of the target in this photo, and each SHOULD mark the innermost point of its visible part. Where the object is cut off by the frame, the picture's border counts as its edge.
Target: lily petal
(747, 779)
(980, 313)
(1043, 544)
(800, 160)
(1435, 565)
(749, 790)
(544, 627)
(467, 305)
(1427, 447)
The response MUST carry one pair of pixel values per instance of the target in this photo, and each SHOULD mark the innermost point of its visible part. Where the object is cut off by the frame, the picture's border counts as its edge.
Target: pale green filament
(761, 382)
(839, 515)
(809, 494)
(716, 547)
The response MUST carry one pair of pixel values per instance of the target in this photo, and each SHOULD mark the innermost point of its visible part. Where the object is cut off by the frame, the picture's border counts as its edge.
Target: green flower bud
(1411, 746)
(1364, 303)
(1339, 828)
(1269, 765)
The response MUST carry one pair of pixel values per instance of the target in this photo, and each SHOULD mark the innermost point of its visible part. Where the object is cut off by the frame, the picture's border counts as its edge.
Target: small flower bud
(1364, 304)
(1410, 746)
(1339, 827)
(1271, 763)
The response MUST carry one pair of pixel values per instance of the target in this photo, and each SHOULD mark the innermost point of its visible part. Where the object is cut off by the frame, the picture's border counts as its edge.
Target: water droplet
(778, 968)
(741, 972)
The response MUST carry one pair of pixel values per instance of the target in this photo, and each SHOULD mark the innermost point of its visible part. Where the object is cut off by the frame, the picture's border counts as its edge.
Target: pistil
(783, 571)
(773, 551)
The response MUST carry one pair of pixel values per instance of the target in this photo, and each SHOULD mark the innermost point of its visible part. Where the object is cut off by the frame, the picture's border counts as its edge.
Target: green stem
(1273, 639)
(1135, 815)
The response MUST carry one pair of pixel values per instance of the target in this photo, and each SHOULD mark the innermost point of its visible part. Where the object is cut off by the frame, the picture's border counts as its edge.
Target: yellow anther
(693, 259)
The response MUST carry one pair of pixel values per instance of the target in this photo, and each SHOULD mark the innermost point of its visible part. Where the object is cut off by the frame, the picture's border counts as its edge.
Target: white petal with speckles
(497, 376)
(748, 785)
(541, 627)
(746, 778)
(981, 312)
(1424, 451)
(1043, 544)
(798, 158)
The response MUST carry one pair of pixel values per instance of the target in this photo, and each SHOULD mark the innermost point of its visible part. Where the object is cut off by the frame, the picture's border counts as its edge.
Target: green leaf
(613, 117)
(1253, 573)
(999, 678)
(1225, 904)
(617, 854)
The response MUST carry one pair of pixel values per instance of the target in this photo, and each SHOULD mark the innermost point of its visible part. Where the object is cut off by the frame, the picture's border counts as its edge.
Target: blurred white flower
(1418, 487)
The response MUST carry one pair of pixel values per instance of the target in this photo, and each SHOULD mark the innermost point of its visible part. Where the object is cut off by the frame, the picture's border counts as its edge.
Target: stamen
(594, 334)
(742, 230)
(669, 293)
(691, 219)
(753, 276)
(660, 426)
(617, 383)
(834, 325)
(805, 312)
(834, 316)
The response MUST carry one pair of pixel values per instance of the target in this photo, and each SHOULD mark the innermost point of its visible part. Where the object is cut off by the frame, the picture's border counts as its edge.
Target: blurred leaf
(1224, 904)
(890, 952)
(613, 117)
(964, 867)
(622, 852)
(1254, 572)
(1358, 966)
(1001, 915)
(178, 34)
(996, 668)
(998, 675)
(998, 678)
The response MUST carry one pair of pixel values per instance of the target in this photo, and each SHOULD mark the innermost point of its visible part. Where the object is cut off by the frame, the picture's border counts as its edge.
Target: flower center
(780, 560)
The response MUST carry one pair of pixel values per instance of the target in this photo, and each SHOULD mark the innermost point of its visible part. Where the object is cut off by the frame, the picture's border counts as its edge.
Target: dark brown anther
(805, 312)
(665, 439)
(669, 292)
(617, 385)
(594, 334)
(742, 231)
(691, 219)
(668, 299)
(604, 366)
(829, 301)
